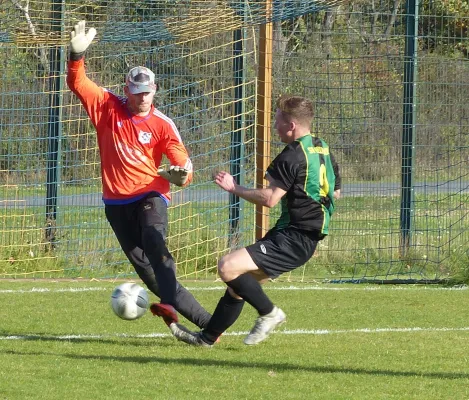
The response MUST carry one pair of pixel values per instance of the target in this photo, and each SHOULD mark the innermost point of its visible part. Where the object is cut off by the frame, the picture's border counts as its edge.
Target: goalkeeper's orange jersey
(131, 147)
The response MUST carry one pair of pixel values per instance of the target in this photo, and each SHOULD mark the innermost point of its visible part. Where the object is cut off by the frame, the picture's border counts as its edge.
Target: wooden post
(264, 115)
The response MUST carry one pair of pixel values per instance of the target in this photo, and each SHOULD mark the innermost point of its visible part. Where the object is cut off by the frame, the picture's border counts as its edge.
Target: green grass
(345, 342)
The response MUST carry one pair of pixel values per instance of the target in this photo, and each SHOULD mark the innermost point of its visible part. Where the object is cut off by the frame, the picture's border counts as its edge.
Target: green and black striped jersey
(307, 171)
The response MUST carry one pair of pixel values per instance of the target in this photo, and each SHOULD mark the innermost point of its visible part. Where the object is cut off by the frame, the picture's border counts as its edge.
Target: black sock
(225, 315)
(247, 287)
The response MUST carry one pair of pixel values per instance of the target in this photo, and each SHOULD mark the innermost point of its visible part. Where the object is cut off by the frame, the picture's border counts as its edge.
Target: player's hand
(80, 39)
(337, 194)
(176, 175)
(225, 181)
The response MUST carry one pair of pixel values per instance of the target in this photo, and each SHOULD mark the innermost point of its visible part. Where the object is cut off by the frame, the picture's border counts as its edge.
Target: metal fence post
(54, 127)
(409, 120)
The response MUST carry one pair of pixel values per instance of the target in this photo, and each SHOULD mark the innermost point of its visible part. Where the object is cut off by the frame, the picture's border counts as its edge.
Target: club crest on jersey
(144, 137)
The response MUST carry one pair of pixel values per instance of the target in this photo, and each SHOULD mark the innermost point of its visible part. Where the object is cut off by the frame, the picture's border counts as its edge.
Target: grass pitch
(61, 340)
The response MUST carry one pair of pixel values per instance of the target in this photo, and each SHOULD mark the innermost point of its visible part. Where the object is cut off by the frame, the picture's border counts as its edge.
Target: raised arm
(90, 94)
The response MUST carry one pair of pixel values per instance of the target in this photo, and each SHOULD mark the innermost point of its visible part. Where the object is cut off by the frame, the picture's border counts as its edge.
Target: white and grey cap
(140, 80)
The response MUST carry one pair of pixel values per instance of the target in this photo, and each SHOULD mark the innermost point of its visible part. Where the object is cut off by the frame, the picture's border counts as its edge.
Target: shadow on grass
(278, 367)
(121, 340)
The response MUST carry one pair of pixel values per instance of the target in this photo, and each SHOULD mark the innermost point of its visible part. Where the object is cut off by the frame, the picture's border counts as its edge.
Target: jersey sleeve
(283, 170)
(176, 151)
(90, 94)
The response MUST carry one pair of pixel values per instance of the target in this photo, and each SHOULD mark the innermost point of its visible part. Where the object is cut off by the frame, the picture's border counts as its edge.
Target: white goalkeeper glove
(80, 40)
(176, 175)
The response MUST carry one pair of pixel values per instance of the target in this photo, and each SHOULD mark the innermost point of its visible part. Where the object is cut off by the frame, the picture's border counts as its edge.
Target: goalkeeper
(132, 137)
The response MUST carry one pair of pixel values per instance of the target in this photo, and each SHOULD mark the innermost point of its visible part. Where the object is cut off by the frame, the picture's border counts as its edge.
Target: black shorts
(283, 250)
(128, 220)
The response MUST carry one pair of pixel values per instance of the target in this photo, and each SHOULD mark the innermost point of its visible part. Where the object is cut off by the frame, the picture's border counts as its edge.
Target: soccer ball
(129, 301)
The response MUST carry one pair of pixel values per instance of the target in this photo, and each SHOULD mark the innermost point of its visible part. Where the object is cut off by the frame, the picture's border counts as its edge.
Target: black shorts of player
(284, 250)
(128, 220)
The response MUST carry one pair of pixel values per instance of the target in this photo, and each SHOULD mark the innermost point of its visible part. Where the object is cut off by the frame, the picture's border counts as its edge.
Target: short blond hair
(296, 108)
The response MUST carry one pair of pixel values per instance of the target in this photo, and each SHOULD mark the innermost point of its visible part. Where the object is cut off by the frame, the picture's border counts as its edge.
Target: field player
(305, 178)
(132, 137)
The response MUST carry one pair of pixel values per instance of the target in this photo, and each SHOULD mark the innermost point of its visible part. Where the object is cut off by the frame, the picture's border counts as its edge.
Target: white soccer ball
(129, 301)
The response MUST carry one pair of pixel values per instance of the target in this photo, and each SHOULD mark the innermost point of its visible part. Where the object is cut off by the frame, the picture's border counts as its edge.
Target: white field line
(284, 332)
(267, 287)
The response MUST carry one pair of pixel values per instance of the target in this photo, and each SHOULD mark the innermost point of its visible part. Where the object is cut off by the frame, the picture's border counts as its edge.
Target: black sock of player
(225, 315)
(247, 287)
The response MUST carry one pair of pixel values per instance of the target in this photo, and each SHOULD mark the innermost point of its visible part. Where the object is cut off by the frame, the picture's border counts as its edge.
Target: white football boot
(265, 325)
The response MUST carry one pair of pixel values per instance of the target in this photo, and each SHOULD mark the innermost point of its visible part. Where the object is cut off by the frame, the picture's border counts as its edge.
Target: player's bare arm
(267, 197)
